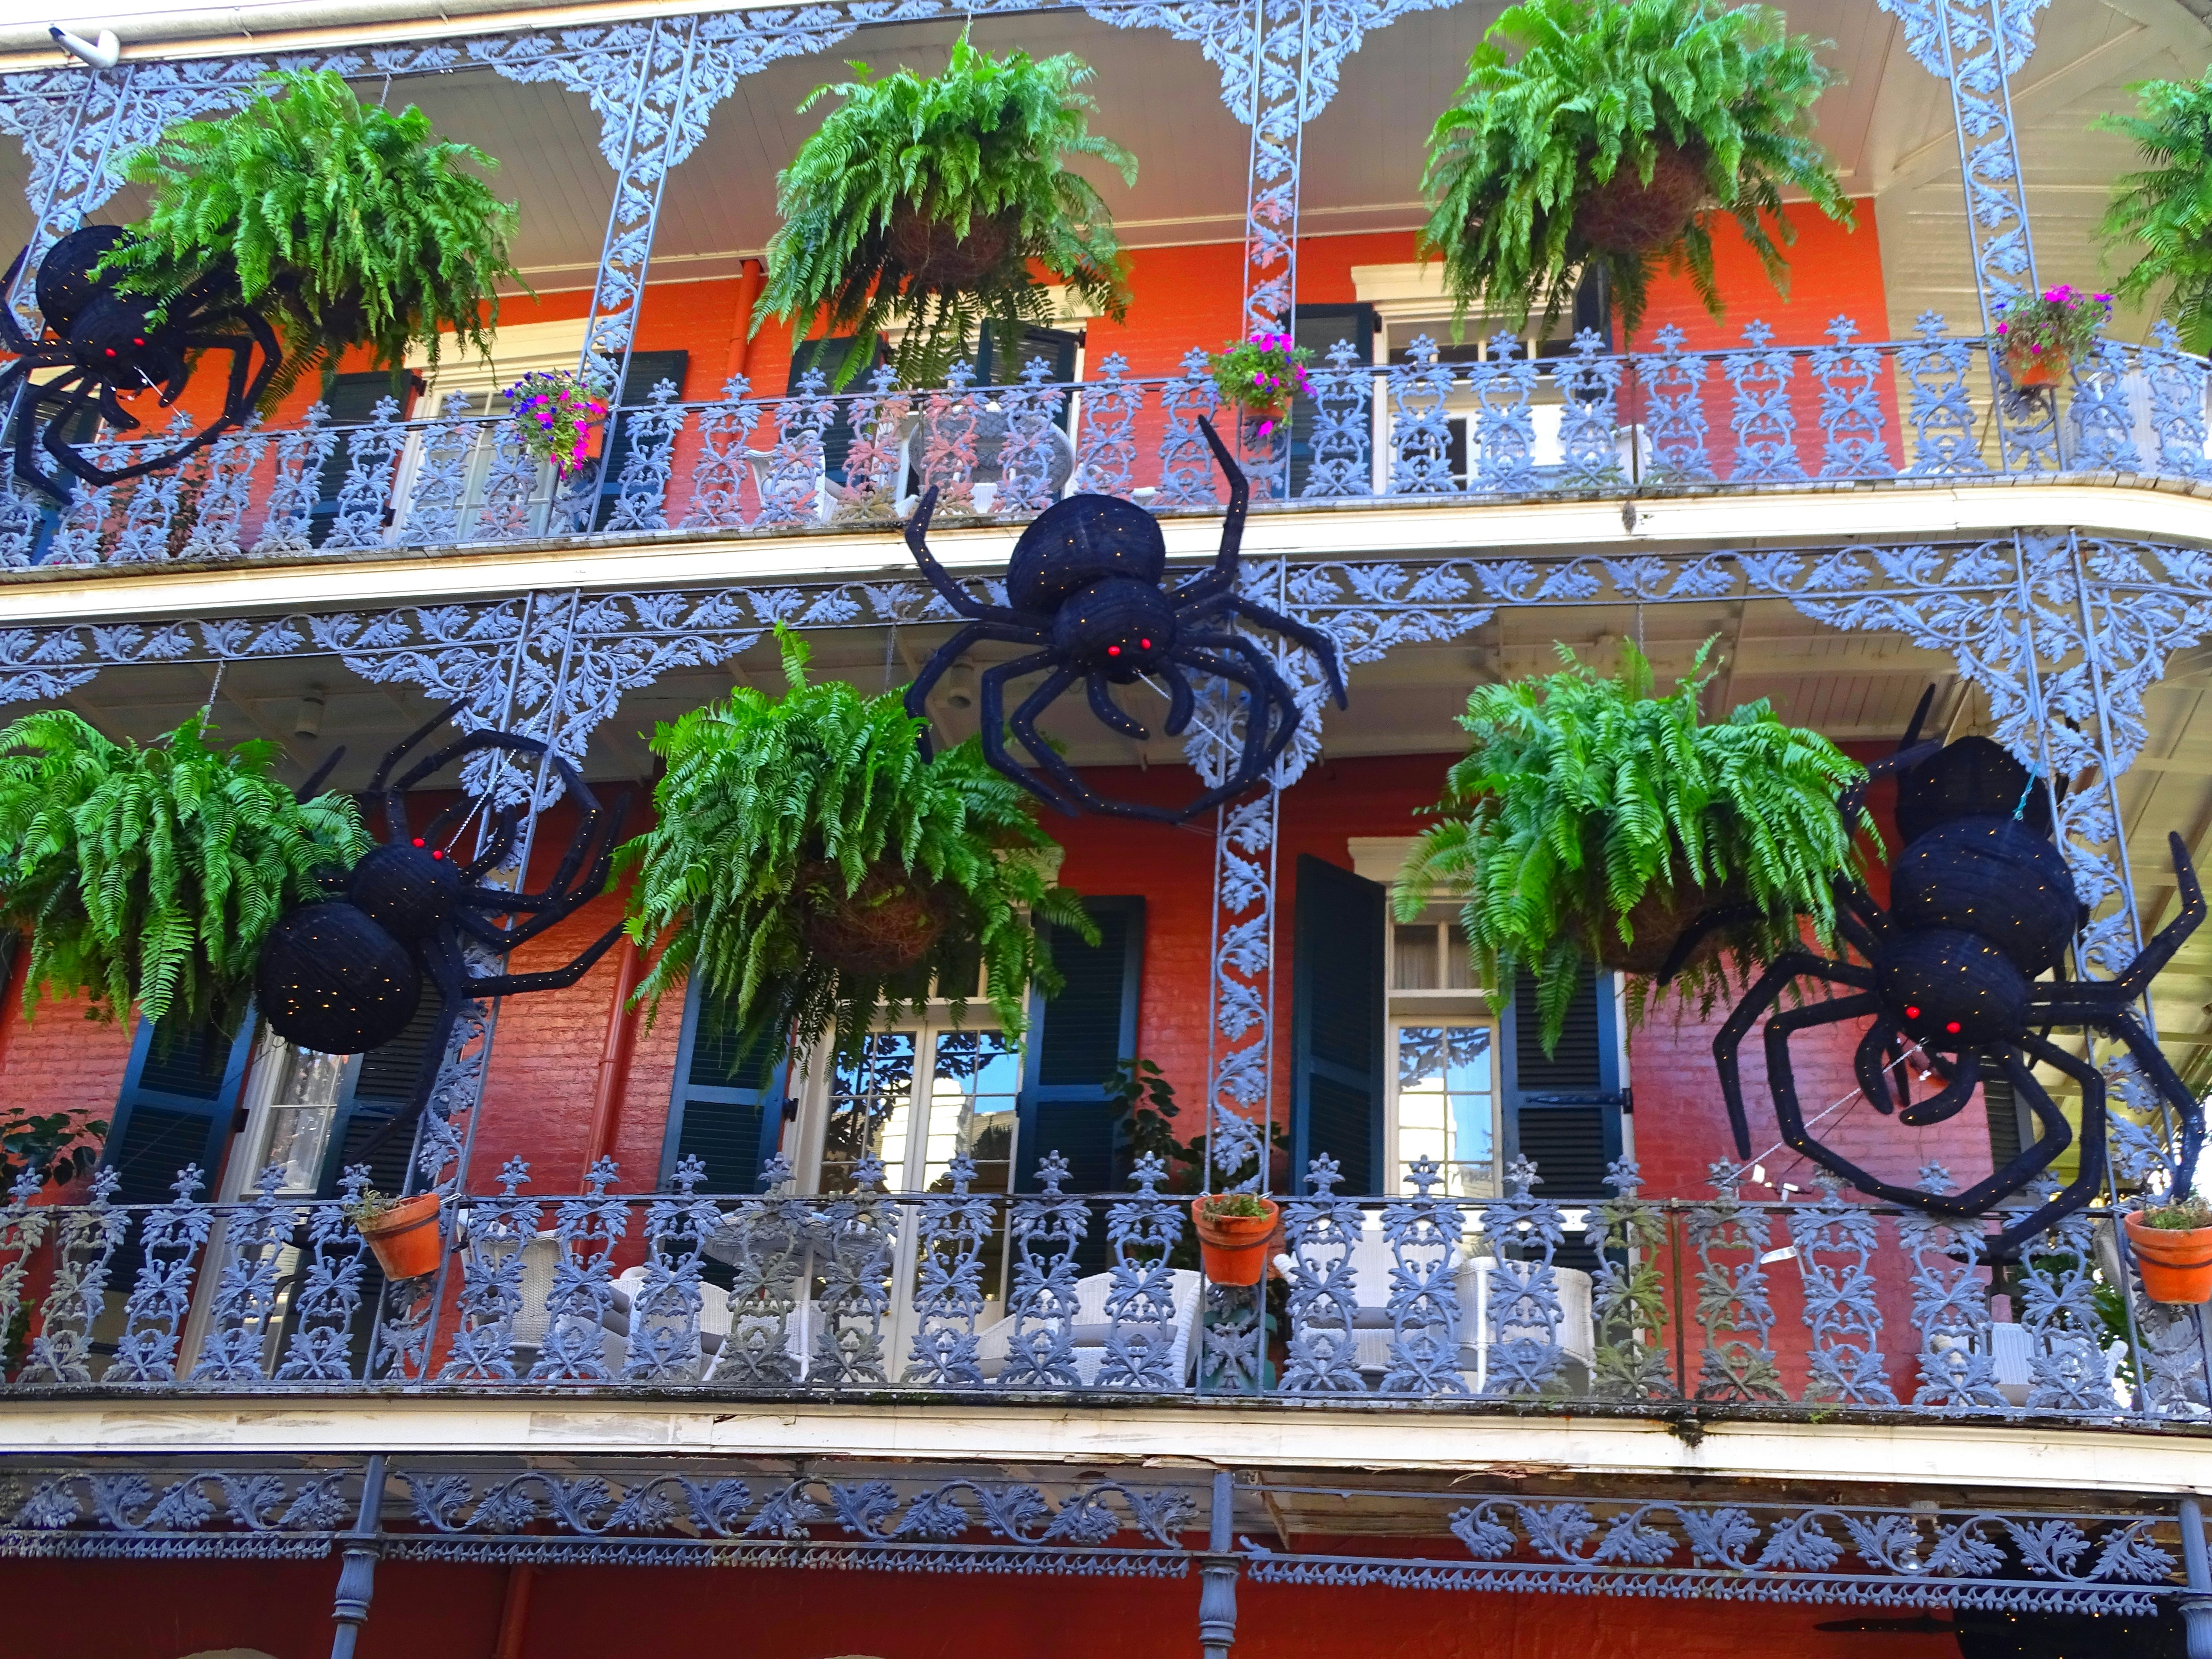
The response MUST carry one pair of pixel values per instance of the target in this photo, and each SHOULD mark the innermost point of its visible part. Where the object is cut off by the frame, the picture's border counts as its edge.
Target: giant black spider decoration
(344, 974)
(107, 343)
(1981, 906)
(1085, 586)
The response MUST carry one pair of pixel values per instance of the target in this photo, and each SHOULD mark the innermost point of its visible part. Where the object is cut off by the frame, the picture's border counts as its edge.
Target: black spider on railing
(107, 342)
(344, 974)
(1981, 906)
(1085, 586)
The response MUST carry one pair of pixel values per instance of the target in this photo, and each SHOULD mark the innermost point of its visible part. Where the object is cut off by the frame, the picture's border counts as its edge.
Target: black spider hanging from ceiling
(107, 343)
(1086, 589)
(1981, 907)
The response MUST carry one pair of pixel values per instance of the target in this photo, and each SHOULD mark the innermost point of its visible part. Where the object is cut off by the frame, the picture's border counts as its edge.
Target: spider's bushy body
(1981, 907)
(1086, 590)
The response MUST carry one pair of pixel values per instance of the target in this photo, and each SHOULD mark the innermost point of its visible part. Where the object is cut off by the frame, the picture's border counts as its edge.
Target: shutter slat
(1572, 1141)
(1338, 1036)
(721, 1113)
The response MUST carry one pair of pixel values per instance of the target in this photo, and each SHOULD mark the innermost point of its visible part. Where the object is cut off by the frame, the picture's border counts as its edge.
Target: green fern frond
(1600, 85)
(2167, 207)
(152, 876)
(758, 790)
(344, 223)
(1580, 795)
(988, 139)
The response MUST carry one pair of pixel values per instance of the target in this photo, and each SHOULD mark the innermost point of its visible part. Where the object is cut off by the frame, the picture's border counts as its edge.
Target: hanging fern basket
(937, 258)
(1626, 216)
(1659, 920)
(883, 928)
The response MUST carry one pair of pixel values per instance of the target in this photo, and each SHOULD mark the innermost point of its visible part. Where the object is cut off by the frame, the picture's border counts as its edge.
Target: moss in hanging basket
(819, 872)
(1613, 139)
(927, 199)
(1590, 821)
(346, 224)
(151, 876)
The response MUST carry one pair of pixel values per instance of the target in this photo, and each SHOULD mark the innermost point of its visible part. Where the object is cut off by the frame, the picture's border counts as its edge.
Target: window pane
(297, 1126)
(1447, 1106)
(977, 1076)
(1413, 958)
(310, 1078)
(870, 1101)
(1459, 965)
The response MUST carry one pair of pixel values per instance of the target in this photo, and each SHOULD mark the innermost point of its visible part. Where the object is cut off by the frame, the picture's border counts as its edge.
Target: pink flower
(2001, 328)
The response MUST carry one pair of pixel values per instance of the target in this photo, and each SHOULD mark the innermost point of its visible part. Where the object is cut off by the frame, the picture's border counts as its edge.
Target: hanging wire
(207, 712)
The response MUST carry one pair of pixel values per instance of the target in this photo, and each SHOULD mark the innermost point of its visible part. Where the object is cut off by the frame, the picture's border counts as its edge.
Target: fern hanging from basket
(1585, 805)
(346, 224)
(782, 816)
(150, 876)
(1611, 141)
(925, 200)
(2166, 209)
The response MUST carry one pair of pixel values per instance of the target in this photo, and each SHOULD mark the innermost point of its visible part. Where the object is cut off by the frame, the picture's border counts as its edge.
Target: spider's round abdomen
(1116, 626)
(331, 980)
(405, 890)
(1953, 990)
(1079, 541)
(1990, 876)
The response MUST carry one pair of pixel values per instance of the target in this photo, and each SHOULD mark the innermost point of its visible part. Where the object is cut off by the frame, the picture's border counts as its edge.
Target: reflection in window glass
(297, 1129)
(975, 1076)
(1446, 1107)
(871, 1104)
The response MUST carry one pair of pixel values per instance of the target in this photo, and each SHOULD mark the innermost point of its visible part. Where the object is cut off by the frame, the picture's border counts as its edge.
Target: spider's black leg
(917, 694)
(553, 978)
(468, 744)
(505, 827)
(1182, 701)
(1024, 729)
(1266, 686)
(441, 957)
(1724, 916)
(2187, 1112)
(1257, 704)
(12, 337)
(991, 692)
(1875, 1076)
(2088, 1179)
(567, 892)
(1782, 1079)
(1764, 993)
(1313, 638)
(917, 532)
(23, 410)
(320, 775)
(1220, 577)
(1949, 1101)
(2131, 985)
(1110, 713)
(395, 808)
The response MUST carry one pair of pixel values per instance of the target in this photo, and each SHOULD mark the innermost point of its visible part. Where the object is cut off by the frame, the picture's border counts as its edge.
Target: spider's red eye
(1145, 644)
(1113, 650)
(111, 351)
(1910, 1013)
(135, 340)
(418, 841)
(1953, 1027)
(436, 852)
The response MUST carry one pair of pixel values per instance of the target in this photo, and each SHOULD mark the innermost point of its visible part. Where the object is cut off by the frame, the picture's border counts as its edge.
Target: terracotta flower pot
(2175, 1262)
(2035, 368)
(405, 1237)
(1272, 414)
(885, 928)
(1234, 1249)
(935, 257)
(1624, 214)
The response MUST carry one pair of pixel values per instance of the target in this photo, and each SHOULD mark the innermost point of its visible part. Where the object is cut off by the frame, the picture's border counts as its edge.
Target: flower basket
(555, 411)
(1234, 1249)
(934, 254)
(884, 928)
(1624, 215)
(2175, 1262)
(2041, 335)
(2026, 368)
(404, 1236)
(1258, 377)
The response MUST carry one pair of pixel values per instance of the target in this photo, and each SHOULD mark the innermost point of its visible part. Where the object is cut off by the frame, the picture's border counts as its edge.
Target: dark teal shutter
(726, 1113)
(829, 356)
(381, 1085)
(647, 370)
(176, 1107)
(1076, 1040)
(1562, 1111)
(1338, 1035)
(351, 401)
(999, 364)
(1318, 328)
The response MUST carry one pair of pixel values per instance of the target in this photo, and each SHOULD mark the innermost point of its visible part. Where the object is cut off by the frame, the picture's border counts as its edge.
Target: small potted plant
(1618, 136)
(2041, 337)
(554, 411)
(1592, 821)
(1259, 376)
(933, 200)
(1237, 1233)
(344, 224)
(151, 876)
(2172, 1243)
(820, 873)
(403, 1231)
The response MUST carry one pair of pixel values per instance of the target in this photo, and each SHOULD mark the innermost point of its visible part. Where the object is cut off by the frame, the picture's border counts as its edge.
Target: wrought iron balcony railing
(1804, 1307)
(1504, 426)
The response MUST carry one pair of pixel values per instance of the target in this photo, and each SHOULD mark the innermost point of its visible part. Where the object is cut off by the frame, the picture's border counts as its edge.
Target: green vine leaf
(150, 877)
(979, 150)
(1517, 160)
(776, 812)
